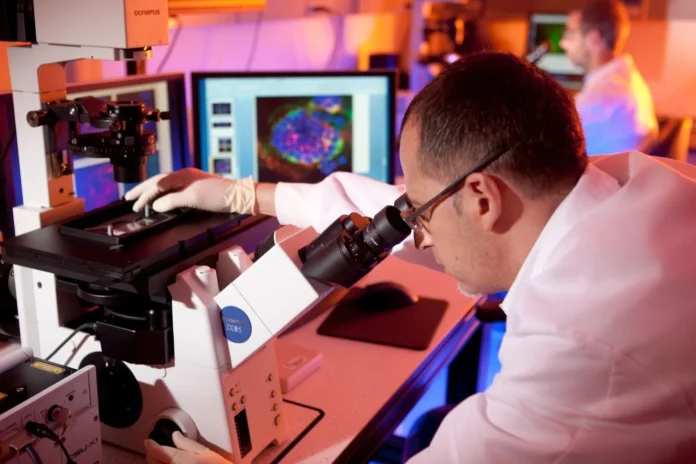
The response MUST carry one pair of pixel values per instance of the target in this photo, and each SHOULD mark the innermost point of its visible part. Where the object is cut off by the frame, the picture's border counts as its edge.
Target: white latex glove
(193, 188)
(187, 451)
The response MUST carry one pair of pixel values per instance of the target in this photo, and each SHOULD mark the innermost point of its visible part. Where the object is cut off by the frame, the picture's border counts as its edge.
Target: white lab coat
(318, 205)
(616, 108)
(599, 358)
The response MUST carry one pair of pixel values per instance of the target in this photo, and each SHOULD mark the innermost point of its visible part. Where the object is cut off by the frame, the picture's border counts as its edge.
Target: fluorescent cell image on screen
(222, 108)
(225, 145)
(222, 166)
(552, 33)
(303, 139)
(96, 185)
(549, 28)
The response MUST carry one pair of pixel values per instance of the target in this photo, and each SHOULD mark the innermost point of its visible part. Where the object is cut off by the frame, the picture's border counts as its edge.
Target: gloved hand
(187, 451)
(193, 188)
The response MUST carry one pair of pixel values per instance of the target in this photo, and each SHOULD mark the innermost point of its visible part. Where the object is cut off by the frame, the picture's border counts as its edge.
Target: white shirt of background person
(615, 104)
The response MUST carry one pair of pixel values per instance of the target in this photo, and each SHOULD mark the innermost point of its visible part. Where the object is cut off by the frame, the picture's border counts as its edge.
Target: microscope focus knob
(162, 432)
(169, 421)
(157, 116)
(37, 118)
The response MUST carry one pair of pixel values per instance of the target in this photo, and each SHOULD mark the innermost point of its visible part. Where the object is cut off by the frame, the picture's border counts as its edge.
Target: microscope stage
(80, 248)
(103, 227)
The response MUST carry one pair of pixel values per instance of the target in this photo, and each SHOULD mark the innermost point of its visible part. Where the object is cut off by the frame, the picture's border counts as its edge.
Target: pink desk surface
(359, 384)
(362, 387)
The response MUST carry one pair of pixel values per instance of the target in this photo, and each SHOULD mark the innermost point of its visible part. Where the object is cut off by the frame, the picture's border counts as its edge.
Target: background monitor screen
(93, 177)
(550, 27)
(294, 127)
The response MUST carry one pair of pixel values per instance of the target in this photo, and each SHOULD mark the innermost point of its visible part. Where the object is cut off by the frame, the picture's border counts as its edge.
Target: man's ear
(594, 38)
(482, 199)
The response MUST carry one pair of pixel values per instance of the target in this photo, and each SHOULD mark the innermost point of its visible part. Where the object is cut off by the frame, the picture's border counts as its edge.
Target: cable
(33, 455)
(3, 154)
(254, 42)
(298, 438)
(68, 459)
(336, 24)
(43, 431)
(4, 176)
(404, 41)
(90, 325)
(170, 48)
(8, 145)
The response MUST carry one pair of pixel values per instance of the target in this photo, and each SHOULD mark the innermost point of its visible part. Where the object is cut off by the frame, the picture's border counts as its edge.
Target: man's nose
(564, 44)
(423, 239)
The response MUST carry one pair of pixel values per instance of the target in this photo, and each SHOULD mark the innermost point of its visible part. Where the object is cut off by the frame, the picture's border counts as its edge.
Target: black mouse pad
(412, 327)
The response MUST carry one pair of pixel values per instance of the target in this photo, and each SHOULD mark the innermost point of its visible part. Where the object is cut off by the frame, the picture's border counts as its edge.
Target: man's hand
(187, 451)
(193, 188)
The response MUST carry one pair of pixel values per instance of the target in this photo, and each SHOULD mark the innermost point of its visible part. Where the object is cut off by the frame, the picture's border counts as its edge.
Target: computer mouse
(386, 295)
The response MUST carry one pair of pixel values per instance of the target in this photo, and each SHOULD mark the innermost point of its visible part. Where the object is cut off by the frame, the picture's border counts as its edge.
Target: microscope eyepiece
(352, 246)
(346, 225)
(386, 230)
(403, 203)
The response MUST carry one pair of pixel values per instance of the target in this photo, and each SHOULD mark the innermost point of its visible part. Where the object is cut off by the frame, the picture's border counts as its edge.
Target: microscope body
(68, 31)
(228, 398)
(50, 34)
(450, 31)
(225, 321)
(221, 387)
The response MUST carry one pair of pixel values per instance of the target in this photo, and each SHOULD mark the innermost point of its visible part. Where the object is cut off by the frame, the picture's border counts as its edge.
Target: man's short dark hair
(607, 17)
(491, 101)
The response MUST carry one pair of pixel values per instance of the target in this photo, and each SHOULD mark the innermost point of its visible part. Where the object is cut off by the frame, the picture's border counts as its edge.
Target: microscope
(172, 315)
(38, 79)
(451, 30)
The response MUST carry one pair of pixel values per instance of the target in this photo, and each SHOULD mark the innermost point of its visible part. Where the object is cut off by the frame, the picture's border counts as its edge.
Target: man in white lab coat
(599, 358)
(615, 104)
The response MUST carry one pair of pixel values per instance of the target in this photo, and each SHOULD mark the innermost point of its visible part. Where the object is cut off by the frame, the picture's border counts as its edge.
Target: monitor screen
(294, 127)
(93, 177)
(550, 27)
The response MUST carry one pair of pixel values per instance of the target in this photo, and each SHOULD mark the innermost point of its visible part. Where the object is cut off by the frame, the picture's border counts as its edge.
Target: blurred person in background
(615, 104)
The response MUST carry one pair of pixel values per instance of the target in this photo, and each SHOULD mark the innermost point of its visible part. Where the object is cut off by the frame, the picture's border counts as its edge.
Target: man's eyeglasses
(412, 216)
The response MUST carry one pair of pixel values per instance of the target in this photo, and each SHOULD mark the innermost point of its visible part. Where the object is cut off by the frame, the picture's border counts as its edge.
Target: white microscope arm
(225, 321)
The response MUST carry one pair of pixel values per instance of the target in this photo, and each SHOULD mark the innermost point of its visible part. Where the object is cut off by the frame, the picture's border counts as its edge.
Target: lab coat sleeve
(535, 411)
(318, 205)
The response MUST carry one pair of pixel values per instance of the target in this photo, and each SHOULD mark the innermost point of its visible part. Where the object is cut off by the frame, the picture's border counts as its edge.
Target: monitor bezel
(391, 75)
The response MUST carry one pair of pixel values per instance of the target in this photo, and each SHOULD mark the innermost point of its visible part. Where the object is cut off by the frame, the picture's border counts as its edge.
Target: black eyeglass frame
(411, 214)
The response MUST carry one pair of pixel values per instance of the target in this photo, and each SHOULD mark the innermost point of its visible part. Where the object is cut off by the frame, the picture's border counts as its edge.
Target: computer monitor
(93, 177)
(295, 126)
(549, 28)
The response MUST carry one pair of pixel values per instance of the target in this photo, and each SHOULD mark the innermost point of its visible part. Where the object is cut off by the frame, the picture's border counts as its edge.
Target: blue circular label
(236, 324)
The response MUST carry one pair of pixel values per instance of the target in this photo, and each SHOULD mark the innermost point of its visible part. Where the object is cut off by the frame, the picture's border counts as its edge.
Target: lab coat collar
(604, 176)
(622, 64)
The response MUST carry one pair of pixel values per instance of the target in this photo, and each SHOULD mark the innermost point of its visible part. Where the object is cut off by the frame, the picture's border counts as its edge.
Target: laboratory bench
(348, 408)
